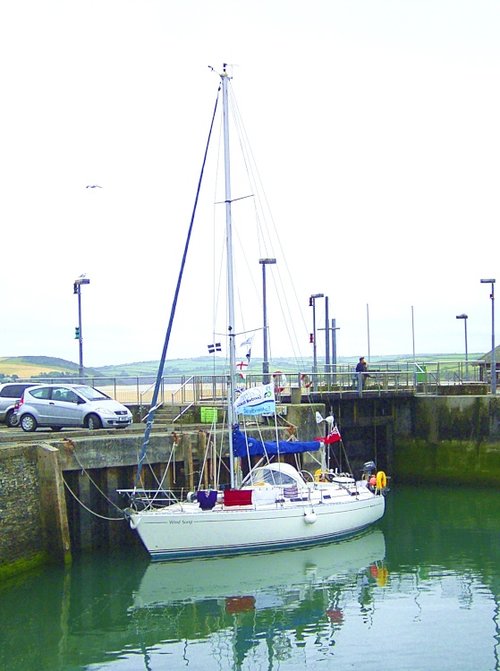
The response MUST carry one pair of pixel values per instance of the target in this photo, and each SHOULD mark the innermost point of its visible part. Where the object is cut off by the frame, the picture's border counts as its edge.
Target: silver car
(10, 393)
(65, 405)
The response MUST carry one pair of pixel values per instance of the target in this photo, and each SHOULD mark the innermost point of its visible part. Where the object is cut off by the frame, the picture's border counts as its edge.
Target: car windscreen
(91, 394)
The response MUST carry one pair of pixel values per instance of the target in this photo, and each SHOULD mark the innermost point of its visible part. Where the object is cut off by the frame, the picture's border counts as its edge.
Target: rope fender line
(92, 512)
(70, 445)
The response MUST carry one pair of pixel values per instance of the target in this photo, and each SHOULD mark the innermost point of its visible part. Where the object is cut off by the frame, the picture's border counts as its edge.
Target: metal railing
(390, 378)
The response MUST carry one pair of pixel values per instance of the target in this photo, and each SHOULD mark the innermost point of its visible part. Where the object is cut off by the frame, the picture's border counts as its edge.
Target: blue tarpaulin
(246, 445)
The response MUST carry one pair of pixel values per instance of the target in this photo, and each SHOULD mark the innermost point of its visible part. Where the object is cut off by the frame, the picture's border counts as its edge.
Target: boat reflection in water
(259, 574)
(262, 597)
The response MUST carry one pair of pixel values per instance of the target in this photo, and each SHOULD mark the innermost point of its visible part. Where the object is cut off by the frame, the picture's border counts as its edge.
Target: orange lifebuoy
(382, 577)
(381, 480)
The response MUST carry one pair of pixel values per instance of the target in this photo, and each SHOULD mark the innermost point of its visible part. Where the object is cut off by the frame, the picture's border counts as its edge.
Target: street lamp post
(327, 338)
(493, 357)
(465, 317)
(312, 303)
(265, 362)
(334, 330)
(77, 289)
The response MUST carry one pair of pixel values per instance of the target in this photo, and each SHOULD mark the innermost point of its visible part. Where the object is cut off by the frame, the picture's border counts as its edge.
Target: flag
(256, 401)
(241, 368)
(245, 356)
(333, 437)
(215, 347)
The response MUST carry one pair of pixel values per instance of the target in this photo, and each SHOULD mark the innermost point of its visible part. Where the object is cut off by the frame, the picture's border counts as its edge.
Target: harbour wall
(452, 440)
(58, 494)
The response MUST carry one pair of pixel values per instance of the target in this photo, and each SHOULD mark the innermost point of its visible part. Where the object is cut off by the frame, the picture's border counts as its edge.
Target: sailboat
(276, 505)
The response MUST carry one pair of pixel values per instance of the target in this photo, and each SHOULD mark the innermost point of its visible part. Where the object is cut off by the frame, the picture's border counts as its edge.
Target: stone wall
(21, 535)
(33, 522)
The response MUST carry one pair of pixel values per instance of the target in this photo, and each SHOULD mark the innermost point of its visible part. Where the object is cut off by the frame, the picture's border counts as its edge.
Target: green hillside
(205, 365)
(42, 366)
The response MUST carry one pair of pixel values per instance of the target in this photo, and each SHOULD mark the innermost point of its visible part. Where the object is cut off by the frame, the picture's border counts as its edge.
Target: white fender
(310, 517)
(134, 523)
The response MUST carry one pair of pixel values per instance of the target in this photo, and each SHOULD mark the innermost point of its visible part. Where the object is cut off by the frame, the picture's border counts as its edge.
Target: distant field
(25, 369)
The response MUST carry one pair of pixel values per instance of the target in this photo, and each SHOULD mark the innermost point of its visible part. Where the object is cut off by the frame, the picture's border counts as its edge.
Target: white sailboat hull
(184, 530)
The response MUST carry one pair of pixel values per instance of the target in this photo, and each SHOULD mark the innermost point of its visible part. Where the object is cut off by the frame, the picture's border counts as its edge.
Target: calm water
(420, 592)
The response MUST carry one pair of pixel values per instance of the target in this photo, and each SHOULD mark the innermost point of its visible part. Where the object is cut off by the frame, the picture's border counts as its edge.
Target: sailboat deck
(270, 498)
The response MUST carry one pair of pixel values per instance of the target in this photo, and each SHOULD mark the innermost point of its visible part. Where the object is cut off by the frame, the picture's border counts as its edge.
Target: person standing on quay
(362, 370)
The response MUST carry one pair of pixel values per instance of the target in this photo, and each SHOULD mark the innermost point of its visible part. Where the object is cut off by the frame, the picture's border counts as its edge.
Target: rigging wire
(258, 188)
(264, 240)
(283, 288)
(154, 400)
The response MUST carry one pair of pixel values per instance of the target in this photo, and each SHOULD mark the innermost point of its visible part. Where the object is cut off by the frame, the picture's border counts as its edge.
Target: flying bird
(93, 186)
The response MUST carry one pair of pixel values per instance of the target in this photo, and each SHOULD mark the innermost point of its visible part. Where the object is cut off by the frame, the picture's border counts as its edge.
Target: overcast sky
(375, 125)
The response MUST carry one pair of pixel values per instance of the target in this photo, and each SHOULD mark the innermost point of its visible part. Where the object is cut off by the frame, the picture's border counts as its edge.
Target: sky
(374, 125)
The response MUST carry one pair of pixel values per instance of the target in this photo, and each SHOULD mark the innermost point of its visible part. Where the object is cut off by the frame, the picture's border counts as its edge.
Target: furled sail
(247, 445)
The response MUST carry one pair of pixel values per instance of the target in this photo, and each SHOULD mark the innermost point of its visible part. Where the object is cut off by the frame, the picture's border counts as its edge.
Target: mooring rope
(71, 444)
(92, 512)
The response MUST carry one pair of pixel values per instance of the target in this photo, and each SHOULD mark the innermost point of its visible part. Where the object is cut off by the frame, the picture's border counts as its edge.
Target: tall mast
(230, 286)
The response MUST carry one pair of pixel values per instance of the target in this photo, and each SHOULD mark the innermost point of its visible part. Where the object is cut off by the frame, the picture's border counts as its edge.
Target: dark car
(10, 393)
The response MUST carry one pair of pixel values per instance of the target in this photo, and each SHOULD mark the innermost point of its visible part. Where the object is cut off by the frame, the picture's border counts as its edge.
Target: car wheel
(28, 423)
(56, 428)
(93, 422)
(11, 419)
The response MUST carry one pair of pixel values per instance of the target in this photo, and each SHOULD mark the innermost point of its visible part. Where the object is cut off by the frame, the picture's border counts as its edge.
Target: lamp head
(462, 316)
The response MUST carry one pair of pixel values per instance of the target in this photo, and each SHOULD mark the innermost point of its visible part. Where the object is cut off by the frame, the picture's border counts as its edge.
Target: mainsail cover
(247, 445)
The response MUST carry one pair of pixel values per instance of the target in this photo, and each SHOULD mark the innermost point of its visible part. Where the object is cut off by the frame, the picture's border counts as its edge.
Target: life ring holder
(278, 381)
(381, 480)
(305, 380)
